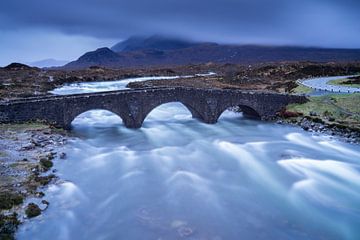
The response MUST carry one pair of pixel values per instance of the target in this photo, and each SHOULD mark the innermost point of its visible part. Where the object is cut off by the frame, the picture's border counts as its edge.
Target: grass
(23, 126)
(3, 154)
(301, 89)
(343, 109)
(340, 82)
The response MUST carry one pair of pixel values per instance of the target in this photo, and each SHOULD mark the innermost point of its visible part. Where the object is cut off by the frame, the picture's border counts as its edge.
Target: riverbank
(26, 159)
(329, 114)
(353, 82)
(19, 81)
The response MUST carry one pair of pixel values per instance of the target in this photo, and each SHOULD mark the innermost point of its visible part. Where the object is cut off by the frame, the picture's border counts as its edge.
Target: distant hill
(161, 51)
(17, 66)
(45, 63)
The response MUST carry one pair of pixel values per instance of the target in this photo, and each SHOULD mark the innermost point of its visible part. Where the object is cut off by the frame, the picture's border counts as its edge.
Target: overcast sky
(65, 29)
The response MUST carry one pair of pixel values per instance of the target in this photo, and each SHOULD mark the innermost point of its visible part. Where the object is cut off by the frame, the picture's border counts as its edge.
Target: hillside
(157, 51)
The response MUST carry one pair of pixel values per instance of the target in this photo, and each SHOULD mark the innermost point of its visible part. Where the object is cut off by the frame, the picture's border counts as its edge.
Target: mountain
(99, 57)
(48, 63)
(161, 51)
(157, 42)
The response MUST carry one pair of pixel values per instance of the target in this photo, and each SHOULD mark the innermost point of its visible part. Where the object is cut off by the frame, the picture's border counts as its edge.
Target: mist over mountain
(164, 51)
(157, 42)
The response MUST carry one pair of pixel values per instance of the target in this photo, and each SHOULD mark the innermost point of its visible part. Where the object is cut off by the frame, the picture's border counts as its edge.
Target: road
(321, 84)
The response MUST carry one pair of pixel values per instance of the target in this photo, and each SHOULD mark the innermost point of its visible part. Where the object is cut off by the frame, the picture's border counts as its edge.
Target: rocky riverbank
(330, 114)
(317, 125)
(27, 153)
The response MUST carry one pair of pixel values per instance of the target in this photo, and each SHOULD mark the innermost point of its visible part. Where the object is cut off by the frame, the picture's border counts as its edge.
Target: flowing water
(177, 178)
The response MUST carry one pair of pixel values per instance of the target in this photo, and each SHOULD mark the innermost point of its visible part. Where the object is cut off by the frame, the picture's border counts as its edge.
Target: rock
(313, 114)
(62, 155)
(10, 199)
(35, 143)
(8, 226)
(44, 180)
(29, 146)
(46, 163)
(289, 114)
(39, 194)
(35, 170)
(32, 210)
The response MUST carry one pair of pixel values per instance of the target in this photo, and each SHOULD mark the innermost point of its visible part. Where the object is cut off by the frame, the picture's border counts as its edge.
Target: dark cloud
(298, 22)
(329, 23)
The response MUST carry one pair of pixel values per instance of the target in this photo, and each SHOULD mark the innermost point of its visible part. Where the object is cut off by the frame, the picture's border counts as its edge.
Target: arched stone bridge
(134, 105)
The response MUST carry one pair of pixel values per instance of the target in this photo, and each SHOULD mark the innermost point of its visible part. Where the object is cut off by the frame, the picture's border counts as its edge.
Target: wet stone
(32, 210)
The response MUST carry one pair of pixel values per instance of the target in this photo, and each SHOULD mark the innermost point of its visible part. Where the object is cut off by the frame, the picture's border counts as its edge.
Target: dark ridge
(162, 51)
(17, 66)
(99, 57)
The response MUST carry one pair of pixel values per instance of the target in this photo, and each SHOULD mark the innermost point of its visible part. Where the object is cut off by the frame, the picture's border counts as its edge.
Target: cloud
(329, 23)
(33, 45)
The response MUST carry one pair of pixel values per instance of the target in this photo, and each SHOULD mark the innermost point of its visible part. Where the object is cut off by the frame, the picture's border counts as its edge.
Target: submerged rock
(62, 155)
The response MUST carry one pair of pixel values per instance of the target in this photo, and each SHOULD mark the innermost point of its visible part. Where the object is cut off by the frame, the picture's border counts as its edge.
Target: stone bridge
(134, 105)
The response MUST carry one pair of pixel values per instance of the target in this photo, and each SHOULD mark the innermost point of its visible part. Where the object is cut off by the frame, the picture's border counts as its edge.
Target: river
(178, 178)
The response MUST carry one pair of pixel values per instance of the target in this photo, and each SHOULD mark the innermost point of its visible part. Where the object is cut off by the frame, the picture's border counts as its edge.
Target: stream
(178, 178)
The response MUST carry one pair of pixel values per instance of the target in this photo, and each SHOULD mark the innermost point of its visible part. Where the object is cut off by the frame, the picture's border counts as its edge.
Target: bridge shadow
(241, 111)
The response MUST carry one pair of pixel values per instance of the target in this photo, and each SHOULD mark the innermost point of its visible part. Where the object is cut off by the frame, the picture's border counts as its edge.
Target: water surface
(177, 178)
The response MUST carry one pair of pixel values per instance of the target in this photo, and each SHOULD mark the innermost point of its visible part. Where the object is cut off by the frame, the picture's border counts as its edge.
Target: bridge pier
(132, 124)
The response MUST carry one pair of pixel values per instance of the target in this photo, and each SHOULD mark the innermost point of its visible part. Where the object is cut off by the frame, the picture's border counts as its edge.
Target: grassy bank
(343, 82)
(301, 89)
(342, 110)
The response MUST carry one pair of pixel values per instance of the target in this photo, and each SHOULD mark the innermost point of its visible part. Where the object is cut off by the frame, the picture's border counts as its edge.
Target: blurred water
(177, 178)
(104, 86)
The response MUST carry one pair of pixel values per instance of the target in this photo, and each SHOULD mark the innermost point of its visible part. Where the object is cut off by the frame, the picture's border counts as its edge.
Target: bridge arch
(248, 111)
(71, 117)
(98, 116)
(193, 111)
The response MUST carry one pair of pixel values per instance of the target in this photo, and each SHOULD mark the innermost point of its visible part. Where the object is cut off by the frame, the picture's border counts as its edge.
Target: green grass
(301, 89)
(23, 126)
(3, 154)
(345, 109)
(340, 82)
